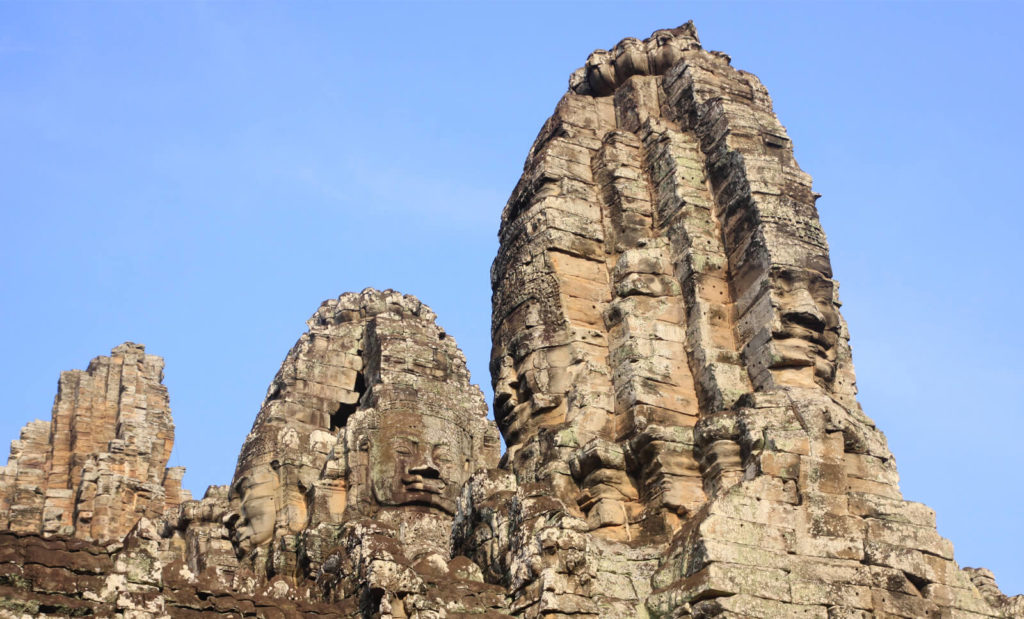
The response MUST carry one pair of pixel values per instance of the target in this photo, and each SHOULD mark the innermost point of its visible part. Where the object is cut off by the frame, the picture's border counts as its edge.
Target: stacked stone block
(101, 462)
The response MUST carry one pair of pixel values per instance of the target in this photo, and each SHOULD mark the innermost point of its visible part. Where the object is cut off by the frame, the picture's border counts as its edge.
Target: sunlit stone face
(806, 333)
(529, 398)
(418, 461)
(512, 395)
(258, 508)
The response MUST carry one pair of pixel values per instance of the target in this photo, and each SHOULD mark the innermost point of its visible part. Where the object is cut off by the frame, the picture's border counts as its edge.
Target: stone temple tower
(669, 358)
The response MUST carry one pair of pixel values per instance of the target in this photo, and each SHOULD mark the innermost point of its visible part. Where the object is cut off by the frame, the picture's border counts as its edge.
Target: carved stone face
(664, 51)
(601, 73)
(509, 400)
(258, 510)
(630, 59)
(418, 461)
(808, 327)
(528, 397)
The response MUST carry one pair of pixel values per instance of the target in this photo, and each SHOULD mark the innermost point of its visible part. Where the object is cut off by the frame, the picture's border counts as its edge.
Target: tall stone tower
(669, 357)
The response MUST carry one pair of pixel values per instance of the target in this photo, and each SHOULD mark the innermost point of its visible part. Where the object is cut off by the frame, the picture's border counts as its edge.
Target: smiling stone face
(268, 499)
(410, 452)
(530, 397)
(417, 461)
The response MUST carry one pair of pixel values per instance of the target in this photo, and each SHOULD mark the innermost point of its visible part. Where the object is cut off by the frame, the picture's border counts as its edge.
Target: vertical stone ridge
(765, 204)
(688, 221)
(100, 464)
(23, 479)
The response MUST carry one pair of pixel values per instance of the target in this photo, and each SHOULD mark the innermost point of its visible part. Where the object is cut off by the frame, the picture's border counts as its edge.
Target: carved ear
(364, 443)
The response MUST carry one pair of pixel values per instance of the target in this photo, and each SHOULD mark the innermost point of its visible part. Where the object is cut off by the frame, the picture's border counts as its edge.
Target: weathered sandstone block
(100, 463)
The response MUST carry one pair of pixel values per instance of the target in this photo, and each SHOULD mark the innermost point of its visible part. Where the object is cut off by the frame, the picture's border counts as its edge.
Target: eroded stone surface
(100, 463)
(371, 416)
(671, 366)
(346, 487)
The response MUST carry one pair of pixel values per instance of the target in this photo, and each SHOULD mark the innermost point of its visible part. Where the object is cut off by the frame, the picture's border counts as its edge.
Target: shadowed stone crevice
(340, 416)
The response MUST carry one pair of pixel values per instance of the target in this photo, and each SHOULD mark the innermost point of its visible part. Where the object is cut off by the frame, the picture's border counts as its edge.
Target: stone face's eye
(785, 280)
(822, 289)
(403, 447)
(443, 455)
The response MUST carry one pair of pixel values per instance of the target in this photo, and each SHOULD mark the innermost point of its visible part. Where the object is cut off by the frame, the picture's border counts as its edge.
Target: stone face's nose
(505, 389)
(804, 311)
(506, 386)
(424, 467)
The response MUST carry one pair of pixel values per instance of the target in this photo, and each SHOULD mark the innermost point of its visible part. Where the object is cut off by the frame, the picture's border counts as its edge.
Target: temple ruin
(672, 380)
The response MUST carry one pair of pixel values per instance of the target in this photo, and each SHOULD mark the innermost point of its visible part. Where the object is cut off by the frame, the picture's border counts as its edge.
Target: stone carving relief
(371, 416)
(417, 462)
(409, 462)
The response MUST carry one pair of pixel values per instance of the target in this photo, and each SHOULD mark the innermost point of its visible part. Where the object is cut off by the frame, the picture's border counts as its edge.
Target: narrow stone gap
(340, 417)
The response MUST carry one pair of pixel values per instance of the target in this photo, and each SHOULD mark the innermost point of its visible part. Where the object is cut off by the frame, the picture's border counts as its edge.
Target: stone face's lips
(796, 332)
(427, 493)
(429, 486)
(504, 404)
(802, 343)
(242, 539)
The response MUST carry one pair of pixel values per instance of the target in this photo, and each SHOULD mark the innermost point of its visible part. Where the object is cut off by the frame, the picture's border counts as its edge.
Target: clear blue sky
(199, 176)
